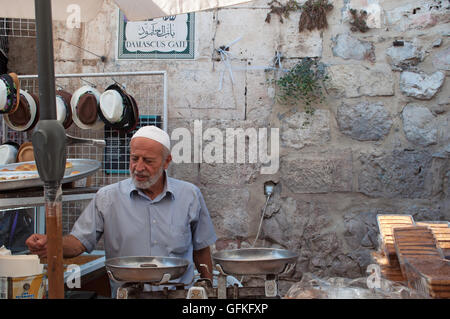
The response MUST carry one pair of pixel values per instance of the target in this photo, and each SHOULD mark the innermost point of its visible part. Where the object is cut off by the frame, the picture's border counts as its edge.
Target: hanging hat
(9, 93)
(8, 152)
(118, 108)
(26, 115)
(25, 153)
(63, 109)
(135, 121)
(85, 108)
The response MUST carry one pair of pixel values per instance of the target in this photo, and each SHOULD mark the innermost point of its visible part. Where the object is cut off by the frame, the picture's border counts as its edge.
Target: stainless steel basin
(255, 261)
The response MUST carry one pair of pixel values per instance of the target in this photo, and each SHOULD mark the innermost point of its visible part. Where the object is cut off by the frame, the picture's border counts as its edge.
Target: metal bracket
(111, 276)
(271, 286)
(222, 287)
(71, 140)
(220, 269)
(197, 293)
(165, 279)
(287, 269)
(122, 293)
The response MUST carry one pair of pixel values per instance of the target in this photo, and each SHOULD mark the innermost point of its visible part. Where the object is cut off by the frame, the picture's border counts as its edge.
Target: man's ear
(168, 160)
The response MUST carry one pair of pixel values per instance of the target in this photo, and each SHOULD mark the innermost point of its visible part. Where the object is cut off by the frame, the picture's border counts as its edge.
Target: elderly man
(149, 214)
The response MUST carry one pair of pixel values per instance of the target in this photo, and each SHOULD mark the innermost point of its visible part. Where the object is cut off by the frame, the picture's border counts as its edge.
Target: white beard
(150, 182)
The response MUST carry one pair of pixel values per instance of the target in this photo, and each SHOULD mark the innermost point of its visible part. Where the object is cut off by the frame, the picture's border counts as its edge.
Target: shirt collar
(167, 190)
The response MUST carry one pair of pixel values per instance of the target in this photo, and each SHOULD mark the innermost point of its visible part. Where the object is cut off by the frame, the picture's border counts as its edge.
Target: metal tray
(28, 179)
(255, 261)
(151, 269)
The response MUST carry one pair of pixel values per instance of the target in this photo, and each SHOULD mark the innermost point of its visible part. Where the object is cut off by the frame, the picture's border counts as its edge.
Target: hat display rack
(148, 89)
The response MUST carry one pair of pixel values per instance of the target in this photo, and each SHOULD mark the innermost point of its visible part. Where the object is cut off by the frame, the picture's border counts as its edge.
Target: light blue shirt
(174, 224)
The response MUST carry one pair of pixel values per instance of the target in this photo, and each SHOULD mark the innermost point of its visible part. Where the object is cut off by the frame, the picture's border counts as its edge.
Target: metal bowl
(146, 269)
(255, 261)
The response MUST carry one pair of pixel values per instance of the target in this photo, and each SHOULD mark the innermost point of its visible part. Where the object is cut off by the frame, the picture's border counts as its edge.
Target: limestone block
(361, 230)
(228, 174)
(185, 171)
(372, 7)
(240, 25)
(364, 121)
(355, 80)
(402, 57)
(348, 47)
(227, 206)
(401, 173)
(100, 28)
(220, 142)
(290, 222)
(281, 226)
(65, 42)
(318, 172)
(441, 59)
(260, 99)
(204, 33)
(420, 85)
(407, 15)
(296, 44)
(426, 213)
(296, 133)
(419, 125)
(205, 90)
(443, 125)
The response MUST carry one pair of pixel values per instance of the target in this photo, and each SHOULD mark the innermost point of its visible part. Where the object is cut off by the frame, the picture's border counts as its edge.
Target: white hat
(86, 108)
(60, 110)
(8, 154)
(154, 133)
(3, 94)
(63, 108)
(111, 105)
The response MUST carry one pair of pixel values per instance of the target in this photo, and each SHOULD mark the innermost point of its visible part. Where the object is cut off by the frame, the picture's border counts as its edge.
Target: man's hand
(37, 244)
(203, 257)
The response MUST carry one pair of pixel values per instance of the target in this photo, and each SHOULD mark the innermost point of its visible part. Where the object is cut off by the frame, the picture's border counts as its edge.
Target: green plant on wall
(304, 82)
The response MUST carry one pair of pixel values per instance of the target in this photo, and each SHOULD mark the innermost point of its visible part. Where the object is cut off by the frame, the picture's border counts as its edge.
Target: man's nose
(140, 165)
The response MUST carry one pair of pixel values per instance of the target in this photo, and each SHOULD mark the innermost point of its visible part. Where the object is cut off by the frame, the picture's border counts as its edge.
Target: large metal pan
(149, 269)
(255, 261)
(24, 179)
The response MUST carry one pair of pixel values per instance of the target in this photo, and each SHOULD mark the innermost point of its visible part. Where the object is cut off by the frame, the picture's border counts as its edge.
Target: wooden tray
(386, 224)
(422, 261)
(389, 272)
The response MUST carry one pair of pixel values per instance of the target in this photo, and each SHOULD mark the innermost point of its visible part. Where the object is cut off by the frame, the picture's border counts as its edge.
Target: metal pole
(93, 75)
(49, 149)
(46, 69)
(166, 113)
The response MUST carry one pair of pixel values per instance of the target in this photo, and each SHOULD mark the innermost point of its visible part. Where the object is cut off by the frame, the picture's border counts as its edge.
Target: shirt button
(154, 241)
(154, 221)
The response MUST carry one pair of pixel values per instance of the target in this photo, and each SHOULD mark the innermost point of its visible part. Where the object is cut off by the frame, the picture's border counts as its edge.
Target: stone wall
(380, 142)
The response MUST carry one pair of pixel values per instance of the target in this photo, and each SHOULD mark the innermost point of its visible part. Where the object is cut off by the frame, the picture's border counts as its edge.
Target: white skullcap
(154, 133)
